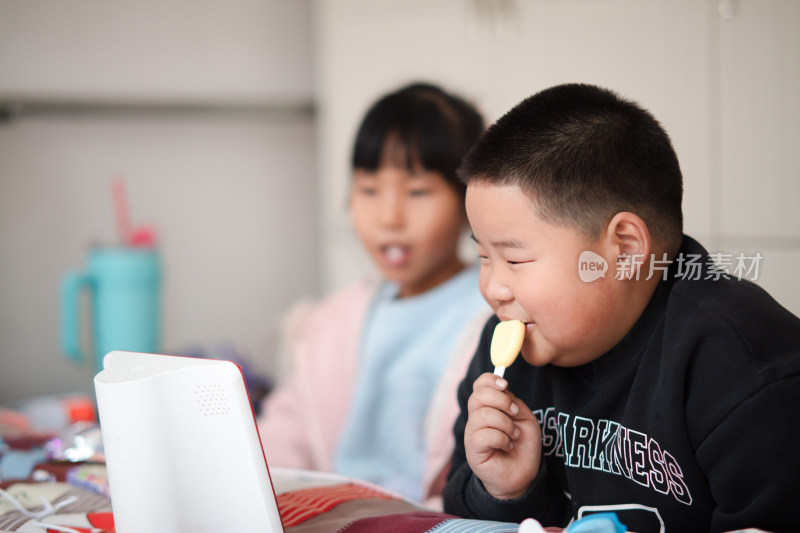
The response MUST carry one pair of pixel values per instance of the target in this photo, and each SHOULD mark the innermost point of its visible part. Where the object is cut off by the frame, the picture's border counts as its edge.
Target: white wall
(205, 109)
(725, 90)
(756, 129)
(255, 51)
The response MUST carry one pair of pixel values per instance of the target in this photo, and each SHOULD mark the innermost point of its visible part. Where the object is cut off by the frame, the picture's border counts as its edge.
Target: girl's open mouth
(395, 254)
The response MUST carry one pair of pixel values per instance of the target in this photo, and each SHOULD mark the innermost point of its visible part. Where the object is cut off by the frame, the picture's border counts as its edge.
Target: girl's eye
(368, 191)
(419, 192)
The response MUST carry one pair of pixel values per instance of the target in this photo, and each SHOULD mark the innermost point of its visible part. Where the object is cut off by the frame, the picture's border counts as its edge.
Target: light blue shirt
(406, 346)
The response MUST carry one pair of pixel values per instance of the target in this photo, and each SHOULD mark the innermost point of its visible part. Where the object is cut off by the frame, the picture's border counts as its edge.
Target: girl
(376, 364)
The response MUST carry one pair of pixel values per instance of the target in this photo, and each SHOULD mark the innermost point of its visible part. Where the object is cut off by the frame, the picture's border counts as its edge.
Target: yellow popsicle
(506, 344)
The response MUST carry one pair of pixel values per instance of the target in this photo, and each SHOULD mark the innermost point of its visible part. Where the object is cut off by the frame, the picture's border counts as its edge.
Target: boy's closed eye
(484, 258)
(513, 252)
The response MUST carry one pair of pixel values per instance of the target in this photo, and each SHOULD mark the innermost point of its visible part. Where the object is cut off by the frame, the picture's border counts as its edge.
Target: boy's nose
(496, 289)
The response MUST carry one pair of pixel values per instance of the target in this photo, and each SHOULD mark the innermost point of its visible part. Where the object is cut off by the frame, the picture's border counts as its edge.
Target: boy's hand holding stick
(502, 439)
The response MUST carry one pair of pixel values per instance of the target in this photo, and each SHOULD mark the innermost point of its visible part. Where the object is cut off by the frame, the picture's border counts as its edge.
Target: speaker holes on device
(211, 400)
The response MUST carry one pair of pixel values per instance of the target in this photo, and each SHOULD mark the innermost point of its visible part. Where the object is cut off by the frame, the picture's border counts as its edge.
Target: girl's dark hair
(433, 128)
(582, 154)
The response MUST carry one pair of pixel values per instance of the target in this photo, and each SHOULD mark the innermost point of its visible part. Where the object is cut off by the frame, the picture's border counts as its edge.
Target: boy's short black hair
(583, 154)
(434, 129)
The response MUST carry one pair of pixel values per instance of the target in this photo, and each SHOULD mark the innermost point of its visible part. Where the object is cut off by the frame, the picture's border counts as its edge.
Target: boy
(651, 383)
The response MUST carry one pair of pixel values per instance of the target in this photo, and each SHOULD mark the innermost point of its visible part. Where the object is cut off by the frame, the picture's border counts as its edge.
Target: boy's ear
(629, 239)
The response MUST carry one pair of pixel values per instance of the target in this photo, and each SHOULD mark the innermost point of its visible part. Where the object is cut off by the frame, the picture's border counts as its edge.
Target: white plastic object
(529, 525)
(182, 448)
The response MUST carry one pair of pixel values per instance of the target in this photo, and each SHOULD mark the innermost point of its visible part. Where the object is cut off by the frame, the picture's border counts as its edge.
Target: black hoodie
(691, 423)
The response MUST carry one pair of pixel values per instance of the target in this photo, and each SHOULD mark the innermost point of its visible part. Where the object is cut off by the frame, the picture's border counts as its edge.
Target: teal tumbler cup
(124, 288)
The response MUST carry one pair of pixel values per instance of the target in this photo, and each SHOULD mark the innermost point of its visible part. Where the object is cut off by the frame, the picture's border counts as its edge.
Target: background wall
(206, 110)
(725, 89)
(232, 124)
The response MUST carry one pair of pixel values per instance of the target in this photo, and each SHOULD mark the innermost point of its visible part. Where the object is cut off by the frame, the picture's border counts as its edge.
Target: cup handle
(71, 288)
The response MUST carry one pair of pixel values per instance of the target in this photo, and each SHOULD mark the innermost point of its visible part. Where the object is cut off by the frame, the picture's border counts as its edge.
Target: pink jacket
(302, 419)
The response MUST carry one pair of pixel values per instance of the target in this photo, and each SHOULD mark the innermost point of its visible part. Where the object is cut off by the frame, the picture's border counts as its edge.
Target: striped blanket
(308, 502)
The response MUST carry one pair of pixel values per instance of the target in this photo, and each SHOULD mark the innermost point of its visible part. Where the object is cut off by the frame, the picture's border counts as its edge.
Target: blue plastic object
(124, 286)
(597, 523)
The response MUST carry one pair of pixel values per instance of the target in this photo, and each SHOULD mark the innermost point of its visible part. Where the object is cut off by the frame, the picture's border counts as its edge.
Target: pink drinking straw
(121, 210)
(142, 237)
